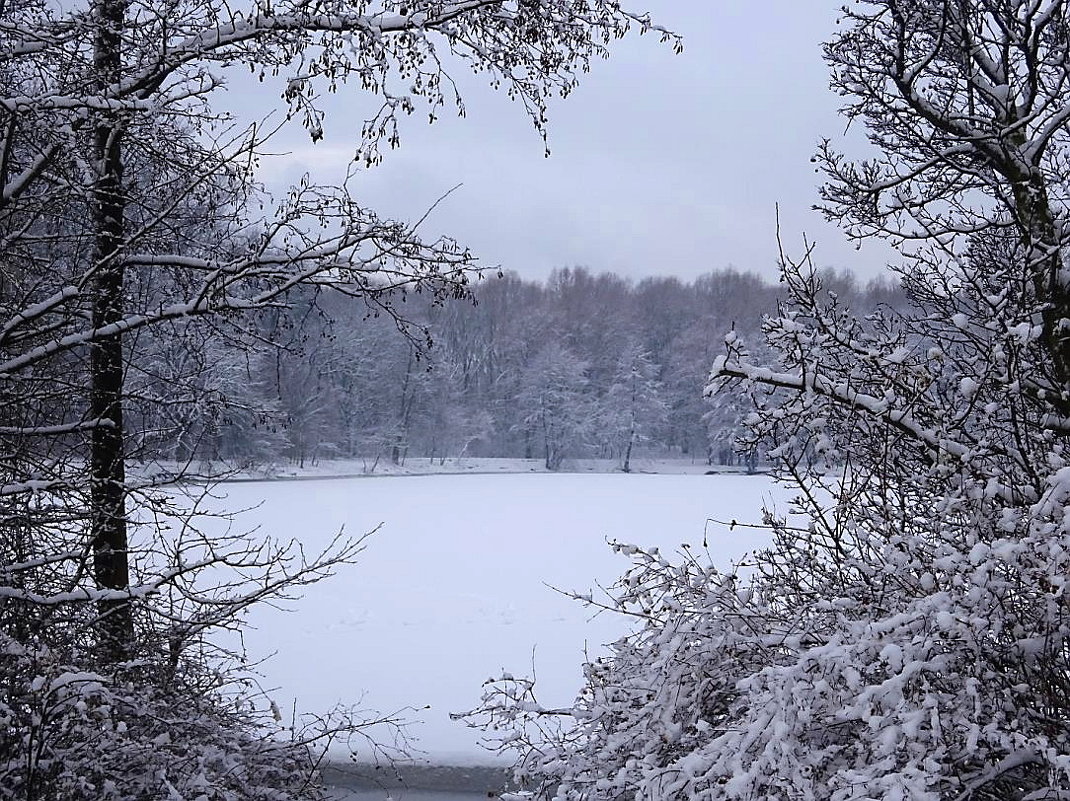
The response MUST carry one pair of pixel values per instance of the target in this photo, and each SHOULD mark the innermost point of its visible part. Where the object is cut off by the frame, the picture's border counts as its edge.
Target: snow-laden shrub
(69, 733)
(180, 719)
(908, 639)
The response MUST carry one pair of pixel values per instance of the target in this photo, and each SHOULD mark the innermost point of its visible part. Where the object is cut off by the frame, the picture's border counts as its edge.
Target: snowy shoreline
(483, 779)
(422, 466)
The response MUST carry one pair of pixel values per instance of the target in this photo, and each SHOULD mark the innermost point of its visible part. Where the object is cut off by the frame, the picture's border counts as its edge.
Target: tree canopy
(906, 635)
(134, 242)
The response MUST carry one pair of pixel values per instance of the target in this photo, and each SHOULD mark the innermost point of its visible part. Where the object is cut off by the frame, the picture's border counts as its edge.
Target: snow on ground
(452, 589)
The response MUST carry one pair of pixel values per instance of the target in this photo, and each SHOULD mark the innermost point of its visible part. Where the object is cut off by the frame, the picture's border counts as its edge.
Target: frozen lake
(452, 589)
(415, 783)
(347, 794)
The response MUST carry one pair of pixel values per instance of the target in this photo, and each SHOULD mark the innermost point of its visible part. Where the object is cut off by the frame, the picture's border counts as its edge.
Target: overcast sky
(661, 164)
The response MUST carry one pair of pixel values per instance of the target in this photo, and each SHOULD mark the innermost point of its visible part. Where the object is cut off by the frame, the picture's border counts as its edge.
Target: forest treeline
(581, 365)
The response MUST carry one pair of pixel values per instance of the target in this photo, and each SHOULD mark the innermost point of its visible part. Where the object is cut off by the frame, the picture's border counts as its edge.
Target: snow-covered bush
(69, 733)
(182, 717)
(907, 641)
(910, 637)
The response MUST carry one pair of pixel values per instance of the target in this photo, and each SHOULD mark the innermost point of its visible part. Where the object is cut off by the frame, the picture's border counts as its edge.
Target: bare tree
(633, 408)
(108, 106)
(555, 404)
(966, 103)
(907, 636)
(128, 207)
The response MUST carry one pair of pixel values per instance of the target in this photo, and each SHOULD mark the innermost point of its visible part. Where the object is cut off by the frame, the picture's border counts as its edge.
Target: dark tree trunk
(1046, 249)
(107, 462)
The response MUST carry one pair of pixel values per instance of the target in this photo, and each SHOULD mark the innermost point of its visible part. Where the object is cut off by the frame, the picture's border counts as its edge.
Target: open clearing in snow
(452, 589)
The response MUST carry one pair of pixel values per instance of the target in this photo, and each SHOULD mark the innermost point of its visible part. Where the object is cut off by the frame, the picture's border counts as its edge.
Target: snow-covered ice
(453, 588)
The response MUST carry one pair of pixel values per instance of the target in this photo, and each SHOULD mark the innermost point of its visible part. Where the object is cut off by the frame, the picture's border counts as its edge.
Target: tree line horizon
(578, 365)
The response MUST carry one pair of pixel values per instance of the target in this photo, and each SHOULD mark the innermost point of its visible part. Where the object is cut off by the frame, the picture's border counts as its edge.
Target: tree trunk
(397, 452)
(107, 460)
(1045, 251)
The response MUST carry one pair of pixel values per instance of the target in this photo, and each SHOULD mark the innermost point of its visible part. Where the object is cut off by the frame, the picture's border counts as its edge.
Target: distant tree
(591, 315)
(519, 325)
(554, 402)
(725, 418)
(664, 306)
(243, 396)
(632, 408)
(686, 431)
(246, 427)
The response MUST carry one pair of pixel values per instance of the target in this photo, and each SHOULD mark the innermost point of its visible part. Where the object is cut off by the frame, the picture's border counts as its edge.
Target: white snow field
(452, 589)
